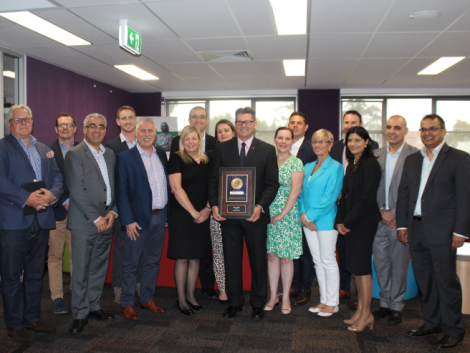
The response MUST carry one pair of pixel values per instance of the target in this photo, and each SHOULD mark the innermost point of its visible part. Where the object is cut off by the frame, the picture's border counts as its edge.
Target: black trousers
(255, 238)
(206, 272)
(434, 266)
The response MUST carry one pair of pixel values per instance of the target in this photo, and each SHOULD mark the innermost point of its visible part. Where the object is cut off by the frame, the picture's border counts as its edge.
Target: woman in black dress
(358, 218)
(189, 234)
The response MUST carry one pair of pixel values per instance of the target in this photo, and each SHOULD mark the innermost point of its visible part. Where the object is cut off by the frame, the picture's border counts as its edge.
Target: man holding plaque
(260, 157)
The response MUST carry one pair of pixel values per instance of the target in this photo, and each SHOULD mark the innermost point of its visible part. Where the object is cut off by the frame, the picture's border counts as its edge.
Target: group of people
(314, 201)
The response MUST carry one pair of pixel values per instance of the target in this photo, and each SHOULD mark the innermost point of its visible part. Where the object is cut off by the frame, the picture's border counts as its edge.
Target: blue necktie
(242, 154)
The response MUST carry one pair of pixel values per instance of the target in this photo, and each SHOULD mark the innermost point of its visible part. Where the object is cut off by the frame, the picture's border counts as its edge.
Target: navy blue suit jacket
(133, 193)
(305, 153)
(16, 169)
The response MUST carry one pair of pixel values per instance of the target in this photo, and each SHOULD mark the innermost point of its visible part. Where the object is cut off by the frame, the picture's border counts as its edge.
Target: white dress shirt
(129, 144)
(296, 146)
(390, 163)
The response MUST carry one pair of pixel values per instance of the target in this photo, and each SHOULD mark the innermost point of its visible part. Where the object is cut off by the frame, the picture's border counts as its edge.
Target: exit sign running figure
(129, 39)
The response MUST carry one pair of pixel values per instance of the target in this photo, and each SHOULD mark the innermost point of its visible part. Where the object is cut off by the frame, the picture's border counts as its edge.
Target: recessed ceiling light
(290, 16)
(47, 29)
(440, 65)
(294, 67)
(425, 15)
(136, 71)
(9, 74)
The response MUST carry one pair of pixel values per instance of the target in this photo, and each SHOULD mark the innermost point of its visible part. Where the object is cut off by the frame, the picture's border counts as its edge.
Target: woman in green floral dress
(284, 233)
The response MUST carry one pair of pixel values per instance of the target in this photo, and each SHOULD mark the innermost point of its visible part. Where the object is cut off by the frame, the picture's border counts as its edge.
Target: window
(371, 111)
(271, 113)
(456, 114)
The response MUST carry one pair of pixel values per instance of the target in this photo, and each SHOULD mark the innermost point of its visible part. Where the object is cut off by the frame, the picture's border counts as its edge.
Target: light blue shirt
(390, 163)
(156, 177)
(33, 155)
(130, 145)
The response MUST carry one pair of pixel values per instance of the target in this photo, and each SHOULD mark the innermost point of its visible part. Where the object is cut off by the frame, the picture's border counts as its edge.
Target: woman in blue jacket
(317, 204)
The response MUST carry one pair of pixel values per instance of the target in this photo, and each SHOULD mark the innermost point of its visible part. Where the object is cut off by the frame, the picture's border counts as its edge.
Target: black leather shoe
(257, 313)
(231, 311)
(211, 293)
(395, 317)
(381, 312)
(41, 326)
(21, 335)
(188, 312)
(77, 326)
(195, 307)
(100, 315)
(447, 342)
(223, 302)
(422, 331)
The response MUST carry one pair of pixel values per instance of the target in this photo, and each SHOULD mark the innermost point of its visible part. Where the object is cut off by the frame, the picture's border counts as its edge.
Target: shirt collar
(397, 153)
(299, 142)
(435, 151)
(92, 149)
(63, 145)
(141, 150)
(247, 142)
(32, 139)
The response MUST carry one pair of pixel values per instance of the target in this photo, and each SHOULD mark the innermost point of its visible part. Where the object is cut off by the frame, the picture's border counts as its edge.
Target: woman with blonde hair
(189, 235)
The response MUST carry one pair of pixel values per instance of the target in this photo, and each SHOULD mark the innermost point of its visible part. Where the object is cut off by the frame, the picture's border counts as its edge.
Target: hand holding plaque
(237, 192)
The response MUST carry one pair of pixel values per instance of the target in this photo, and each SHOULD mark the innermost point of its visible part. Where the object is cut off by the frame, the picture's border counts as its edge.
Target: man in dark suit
(198, 118)
(246, 151)
(65, 128)
(338, 153)
(126, 120)
(142, 194)
(433, 217)
(23, 238)
(301, 289)
(89, 171)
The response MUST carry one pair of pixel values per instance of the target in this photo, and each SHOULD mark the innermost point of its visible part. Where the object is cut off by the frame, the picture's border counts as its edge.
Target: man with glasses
(199, 119)
(433, 218)
(89, 171)
(246, 151)
(65, 130)
(126, 120)
(24, 231)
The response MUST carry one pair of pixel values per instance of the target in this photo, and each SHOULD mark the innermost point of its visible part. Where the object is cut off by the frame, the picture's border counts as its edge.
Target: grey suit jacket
(87, 187)
(381, 153)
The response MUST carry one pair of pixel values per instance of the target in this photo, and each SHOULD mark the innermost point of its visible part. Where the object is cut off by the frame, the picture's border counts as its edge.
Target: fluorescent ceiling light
(137, 72)
(294, 67)
(440, 65)
(9, 74)
(47, 29)
(290, 16)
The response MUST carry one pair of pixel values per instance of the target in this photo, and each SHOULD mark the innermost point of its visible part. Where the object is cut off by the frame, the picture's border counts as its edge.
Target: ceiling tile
(169, 51)
(463, 24)
(79, 3)
(325, 81)
(191, 70)
(16, 36)
(236, 69)
(378, 66)
(272, 68)
(416, 65)
(286, 82)
(330, 67)
(259, 20)
(337, 46)
(398, 45)
(63, 56)
(446, 80)
(449, 44)
(364, 80)
(404, 81)
(112, 54)
(217, 44)
(278, 47)
(17, 5)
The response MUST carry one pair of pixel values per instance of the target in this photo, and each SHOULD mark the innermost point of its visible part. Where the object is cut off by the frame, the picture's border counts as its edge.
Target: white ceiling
(350, 45)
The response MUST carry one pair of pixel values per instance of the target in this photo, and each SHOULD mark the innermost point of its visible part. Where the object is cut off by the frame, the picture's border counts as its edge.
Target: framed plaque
(237, 187)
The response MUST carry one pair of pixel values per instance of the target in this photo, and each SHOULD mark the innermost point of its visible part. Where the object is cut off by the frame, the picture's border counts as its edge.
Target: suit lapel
(58, 152)
(321, 170)
(92, 159)
(251, 152)
(140, 162)
(235, 153)
(417, 176)
(20, 150)
(43, 162)
(440, 158)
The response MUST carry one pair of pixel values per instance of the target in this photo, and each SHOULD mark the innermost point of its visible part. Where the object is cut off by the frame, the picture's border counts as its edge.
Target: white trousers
(322, 245)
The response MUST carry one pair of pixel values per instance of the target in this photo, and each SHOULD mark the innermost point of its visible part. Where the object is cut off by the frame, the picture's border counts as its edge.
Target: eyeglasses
(21, 120)
(94, 127)
(432, 129)
(246, 123)
(195, 117)
(66, 125)
(319, 142)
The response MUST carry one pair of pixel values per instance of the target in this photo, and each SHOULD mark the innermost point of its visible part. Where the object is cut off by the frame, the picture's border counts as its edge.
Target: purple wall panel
(52, 90)
(322, 107)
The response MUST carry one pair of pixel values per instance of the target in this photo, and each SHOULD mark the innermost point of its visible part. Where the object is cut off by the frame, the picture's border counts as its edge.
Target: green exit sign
(129, 38)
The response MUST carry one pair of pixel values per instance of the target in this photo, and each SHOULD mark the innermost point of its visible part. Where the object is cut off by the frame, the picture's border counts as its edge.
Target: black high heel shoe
(188, 312)
(195, 307)
(223, 301)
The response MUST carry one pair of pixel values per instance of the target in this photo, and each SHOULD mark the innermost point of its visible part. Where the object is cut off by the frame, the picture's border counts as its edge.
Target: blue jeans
(22, 250)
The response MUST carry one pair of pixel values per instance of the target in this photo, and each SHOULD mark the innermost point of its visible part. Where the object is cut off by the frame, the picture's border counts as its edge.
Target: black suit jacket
(337, 150)
(59, 211)
(117, 146)
(210, 144)
(260, 155)
(445, 204)
(305, 153)
(358, 204)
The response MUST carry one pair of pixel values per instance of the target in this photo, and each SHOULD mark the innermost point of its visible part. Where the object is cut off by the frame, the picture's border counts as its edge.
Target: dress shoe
(231, 311)
(369, 322)
(381, 312)
(60, 307)
(21, 335)
(187, 312)
(211, 293)
(77, 326)
(422, 331)
(344, 294)
(395, 318)
(223, 302)
(257, 313)
(293, 294)
(154, 308)
(195, 307)
(327, 314)
(448, 342)
(100, 315)
(117, 295)
(349, 322)
(129, 312)
(41, 326)
(315, 309)
(302, 298)
(269, 307)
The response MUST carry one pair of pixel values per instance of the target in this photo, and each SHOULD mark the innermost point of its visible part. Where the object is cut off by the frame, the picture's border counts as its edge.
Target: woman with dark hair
(224, 131)
(357, 220)
(284, 242)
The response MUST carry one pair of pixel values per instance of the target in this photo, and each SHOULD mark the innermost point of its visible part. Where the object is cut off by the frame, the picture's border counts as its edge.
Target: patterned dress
(285, 238)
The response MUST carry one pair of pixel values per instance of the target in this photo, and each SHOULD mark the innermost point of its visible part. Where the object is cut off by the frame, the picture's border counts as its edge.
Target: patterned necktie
(242, 154)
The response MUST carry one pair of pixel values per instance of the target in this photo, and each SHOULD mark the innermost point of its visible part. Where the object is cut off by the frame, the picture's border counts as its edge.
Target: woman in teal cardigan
(322, 185)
